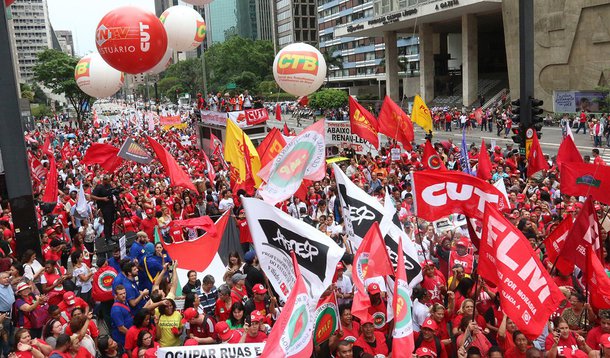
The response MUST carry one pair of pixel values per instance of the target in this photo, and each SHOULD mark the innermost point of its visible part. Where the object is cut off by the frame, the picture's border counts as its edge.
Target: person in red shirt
(238, 292)
(141, 322)
(148, 224)
(426, 338)
(594, 337)
(372, 341)
(253, 330)
(245, 237)
(26, 347)
(434, 282)
(520, 347)
(226, 334)
(70, 302)
(201, 327)
(378, 308)
(222, 310)
(349, 327)
(562, 339)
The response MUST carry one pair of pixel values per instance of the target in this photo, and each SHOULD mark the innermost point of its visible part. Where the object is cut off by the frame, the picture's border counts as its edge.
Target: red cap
(259, 288)
(430, 324)
(223, 330)
(424, 352)
(189, 314)
(340, 266)
(373, 289)
(427, 263)
(520, 198)
(256, 316)
(461, 242)
(69, 298)
(192, 342)
(149, 211)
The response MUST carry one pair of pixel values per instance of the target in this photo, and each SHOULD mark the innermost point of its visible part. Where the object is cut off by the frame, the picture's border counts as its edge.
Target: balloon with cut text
(299, 69)
(184, 26)
(97, 78)
(165, 62)
(198, 2)
(131, 39)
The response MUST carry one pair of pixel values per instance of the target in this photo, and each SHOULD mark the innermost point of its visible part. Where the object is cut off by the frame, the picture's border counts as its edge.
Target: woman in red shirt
(349, 327)
(520, 347)
(26, 347)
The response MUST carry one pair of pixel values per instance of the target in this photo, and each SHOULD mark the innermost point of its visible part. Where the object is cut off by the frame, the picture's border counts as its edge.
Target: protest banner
(237, 350)
(133, 151)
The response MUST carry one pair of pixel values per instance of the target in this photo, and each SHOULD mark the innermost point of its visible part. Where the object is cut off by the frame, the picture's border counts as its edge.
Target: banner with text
(214, 118)
(237, 350)
(133, 151)
(249, 117)
(339, 133)
(576, 101)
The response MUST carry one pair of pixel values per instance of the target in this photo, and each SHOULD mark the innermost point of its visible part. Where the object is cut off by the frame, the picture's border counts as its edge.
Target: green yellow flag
(421, 114)
(234, 152)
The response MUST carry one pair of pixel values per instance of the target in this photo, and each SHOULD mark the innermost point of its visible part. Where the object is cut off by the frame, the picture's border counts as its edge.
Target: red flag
(583, 179)
(210, 168)
(278, 112)
(177, 176)
(598, 281)
(584, 233)
(554, 244)
(303, 101)
(536, 161)
(441, 193)
(568, 153)
(46, 146)
(478, 115)
(291, 335)
(103, 154)
(271, 146)
(65, 151)
(218, 151)
(431, 159)
(527, 293)
(395, 123)
(201, 222)
(106, 131)
(286, 131)
(327, 319)
(484, 166)
(363, 123)
(248, 183)
(371, 260)
(51, 189)
(402, 336)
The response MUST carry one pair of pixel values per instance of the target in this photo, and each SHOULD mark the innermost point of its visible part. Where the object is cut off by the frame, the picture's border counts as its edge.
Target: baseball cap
(605, 340)
(189, 314)
(256, 316)
(430, 324)
(340, 266)
(259, 288)
(424, 352)
(461, 242)
(427, 263)
(69, 298)
(149, 211)
(373, 289)
(223, 330)
(22, 286)
(237, 277)
(249, 256)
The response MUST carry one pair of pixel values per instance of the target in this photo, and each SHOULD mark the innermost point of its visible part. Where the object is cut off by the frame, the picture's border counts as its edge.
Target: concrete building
(471, 47)
(363, 58)
(66, 42)
(32, 33)
(296, 21)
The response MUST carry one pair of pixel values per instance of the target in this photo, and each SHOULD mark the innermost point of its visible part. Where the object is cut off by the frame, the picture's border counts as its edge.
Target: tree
(189, 74)
(333, 58)
(55, 70)
(26, 92)
(328, 99)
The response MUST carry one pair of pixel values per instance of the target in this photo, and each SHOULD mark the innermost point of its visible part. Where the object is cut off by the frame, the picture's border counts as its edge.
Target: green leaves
(328, 99)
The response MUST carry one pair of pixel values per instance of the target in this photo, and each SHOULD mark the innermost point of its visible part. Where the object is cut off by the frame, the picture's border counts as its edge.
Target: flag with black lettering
(276, 233)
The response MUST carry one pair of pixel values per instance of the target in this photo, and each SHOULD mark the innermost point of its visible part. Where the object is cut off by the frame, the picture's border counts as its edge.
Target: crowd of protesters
(57, 305)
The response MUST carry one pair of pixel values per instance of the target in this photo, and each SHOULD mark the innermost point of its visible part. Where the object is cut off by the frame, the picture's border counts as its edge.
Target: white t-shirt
(31, 270)
(344, 285)
(225, 204)
(85, 286)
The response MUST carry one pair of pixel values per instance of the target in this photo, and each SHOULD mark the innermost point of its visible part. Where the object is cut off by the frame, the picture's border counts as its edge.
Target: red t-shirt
(131, 337)
(244, 231)
(221, 311)
(514, 353)
(433, 285)
(148, 226)
(380, 317)
(83, 353)
(380, 346)
(260, 337)
(351, 335)
(92, 330)
(238, 295)
(563, 344)
(78, 302)
(593, 338)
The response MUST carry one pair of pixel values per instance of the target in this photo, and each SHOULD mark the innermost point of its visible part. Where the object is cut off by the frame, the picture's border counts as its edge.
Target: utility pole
(202, 47)
(526, 62)
(12, 145)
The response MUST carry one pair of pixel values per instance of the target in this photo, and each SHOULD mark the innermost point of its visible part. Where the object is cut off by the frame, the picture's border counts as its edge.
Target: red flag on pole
(248, 183)
(51, 190)
(598, 281)
(584, 179)
(371, 260)
(210, 167)
(286, 131)
(431, 159)
(528, 294)
(271, 146)
(363, 123)
(177, 176)
(536, 161)
(303, 101)
(584, 233)
(554, 244)
(478, 115)
(103, 154)
(278, 112)
(484, 165)
(568, 153)
(402, 336)
(395, 123)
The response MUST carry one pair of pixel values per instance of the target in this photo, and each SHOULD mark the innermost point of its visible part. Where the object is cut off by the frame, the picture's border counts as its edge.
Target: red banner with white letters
(442, 193)
(256, 116)
(527, 293)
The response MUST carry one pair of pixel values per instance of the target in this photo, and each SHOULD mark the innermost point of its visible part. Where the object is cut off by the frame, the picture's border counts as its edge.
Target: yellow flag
(421, 114)
(234, 152)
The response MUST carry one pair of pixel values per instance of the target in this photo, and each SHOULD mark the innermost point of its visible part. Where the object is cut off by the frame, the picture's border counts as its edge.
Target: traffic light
(517, 135)
(537, 119)
(516, 110)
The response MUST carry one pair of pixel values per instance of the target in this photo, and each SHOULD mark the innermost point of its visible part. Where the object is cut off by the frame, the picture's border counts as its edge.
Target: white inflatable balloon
(97, 78)
(299, 69)
(184, 26)
(165, 62)
(198, 2)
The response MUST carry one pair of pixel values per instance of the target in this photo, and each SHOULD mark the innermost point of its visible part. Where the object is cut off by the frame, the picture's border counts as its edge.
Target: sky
(83, 16)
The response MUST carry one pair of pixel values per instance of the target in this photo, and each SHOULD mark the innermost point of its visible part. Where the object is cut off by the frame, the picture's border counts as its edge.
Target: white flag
(81, 203)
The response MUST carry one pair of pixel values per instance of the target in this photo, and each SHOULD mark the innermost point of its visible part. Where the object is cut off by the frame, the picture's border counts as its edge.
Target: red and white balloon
(131, 39)
(299, 69)
(184, 26)
(165, 62)
(96, 78)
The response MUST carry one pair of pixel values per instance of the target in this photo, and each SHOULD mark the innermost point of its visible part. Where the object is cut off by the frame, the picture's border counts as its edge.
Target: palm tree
(333, 58)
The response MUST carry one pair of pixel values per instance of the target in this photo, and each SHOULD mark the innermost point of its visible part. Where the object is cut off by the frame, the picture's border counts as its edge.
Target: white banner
(275, 234)
(339, 133)
(237, 350)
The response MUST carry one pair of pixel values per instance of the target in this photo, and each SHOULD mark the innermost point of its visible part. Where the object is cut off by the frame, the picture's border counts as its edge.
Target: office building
(296, 21)
(66, 42)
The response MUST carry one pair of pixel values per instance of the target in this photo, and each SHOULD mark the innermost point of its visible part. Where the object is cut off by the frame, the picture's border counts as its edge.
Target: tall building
(264, 21)
(66, 42)
(32, 34)
(246, 18)
(296, 21)
(222, 23)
